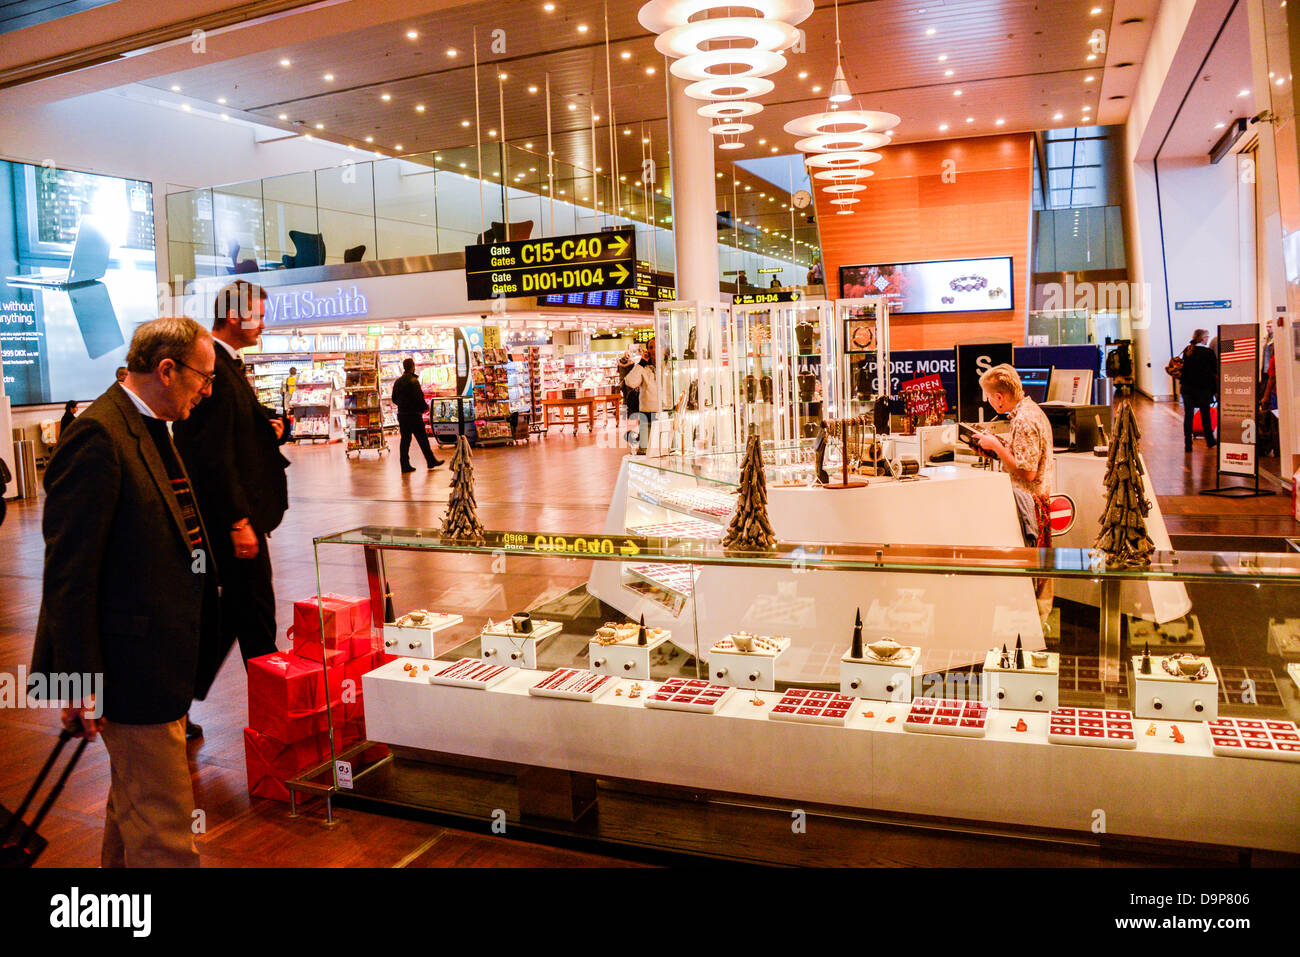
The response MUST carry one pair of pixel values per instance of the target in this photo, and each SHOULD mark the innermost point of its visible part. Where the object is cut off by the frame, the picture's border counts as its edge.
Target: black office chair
(308, 248)
(354, 254)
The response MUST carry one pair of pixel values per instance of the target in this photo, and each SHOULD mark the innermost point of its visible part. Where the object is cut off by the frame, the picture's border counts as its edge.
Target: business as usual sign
(1238, 374)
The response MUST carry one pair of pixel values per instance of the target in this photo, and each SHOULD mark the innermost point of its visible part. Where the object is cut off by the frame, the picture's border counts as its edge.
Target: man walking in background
(129, 589)
(411, 406)
(231, 446)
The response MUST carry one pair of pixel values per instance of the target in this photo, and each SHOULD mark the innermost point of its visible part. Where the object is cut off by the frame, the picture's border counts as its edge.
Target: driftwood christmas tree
(750, 530)
(461, 520)
(1124, 536)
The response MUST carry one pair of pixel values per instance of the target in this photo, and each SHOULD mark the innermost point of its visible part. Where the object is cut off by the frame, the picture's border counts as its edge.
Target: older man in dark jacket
(411, 404)
(130, 587)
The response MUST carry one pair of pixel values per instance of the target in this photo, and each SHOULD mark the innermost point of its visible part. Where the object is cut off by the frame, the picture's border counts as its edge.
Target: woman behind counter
(1026, 456)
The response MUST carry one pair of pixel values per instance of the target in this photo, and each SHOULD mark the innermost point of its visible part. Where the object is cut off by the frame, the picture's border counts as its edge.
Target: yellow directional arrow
(619, 273)
(628, 548)
(618, 245)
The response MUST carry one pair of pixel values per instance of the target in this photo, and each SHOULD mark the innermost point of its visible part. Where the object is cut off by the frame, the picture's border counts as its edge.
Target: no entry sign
(1061, 512)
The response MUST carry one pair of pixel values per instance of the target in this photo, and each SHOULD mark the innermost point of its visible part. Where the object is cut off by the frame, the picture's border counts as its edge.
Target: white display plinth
(502, 644)
(1174, 698)
(416, 641)
(1161, 790)
(892, 679)
(1025, 689)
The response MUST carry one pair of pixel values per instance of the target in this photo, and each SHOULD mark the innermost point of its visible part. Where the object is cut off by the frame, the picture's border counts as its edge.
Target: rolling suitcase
(20, 844)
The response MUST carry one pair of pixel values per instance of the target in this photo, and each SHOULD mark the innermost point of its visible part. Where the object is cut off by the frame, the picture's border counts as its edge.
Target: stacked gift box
(295, 697)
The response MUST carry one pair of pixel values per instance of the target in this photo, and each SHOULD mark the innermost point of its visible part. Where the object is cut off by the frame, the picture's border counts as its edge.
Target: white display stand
(740, 669)
(417, 641)
(953, 619)
(1021, 689)
(1161, 790)
(890, 679)
(501, 643)
(1174, 698)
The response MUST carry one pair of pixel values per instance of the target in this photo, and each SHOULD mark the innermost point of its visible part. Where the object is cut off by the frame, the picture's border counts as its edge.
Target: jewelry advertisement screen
(952, 285)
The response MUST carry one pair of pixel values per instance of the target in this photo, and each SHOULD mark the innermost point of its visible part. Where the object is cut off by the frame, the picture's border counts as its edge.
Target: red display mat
(947, 716)
(814, 707)
(470, 673)
(689, 694)
(573, 684)
(1255, 738)
(1091, 727)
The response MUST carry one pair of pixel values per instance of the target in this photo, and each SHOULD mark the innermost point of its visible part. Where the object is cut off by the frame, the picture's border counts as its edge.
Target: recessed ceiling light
(385, 96)
(1218, 126)
(803, 74)
(626, 54)
(762, 142)
(573, 106)
(1244, 93)
(398, 147)
(370, 139)
(1089, 79)
(956, 92)
(548, 7)
(492, 132)
(942, 57)
(221, 100)
(452, 52)
(464, 122)
(773, 149)
(622, 179)
(285, 62)
(419, 107)
(649, 71)
(1087, 109)
(1279, 80)
(970, 119)
(1095, 10)
(816, 89)
(463, 165)
(582, 28)
(645, 140)
(1059, 116)
(528, 146)
(503, 76)
(999, 122)
(929, 32)
(412, 35)
(329, 77)
(185, 107)
(284, 116)
(1091, 57)
(177, 89)
(320, 126)
(942, 127)
(947, 72)
(532, 89)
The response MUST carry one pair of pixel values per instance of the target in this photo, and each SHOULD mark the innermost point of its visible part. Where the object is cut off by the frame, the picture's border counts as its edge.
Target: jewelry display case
(782, 365)
(981, 763)
(863, 326)
(695, 385)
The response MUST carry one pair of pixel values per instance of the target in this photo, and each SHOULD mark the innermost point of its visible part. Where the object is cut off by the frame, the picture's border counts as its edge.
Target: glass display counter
(694, 378)
(524, 675)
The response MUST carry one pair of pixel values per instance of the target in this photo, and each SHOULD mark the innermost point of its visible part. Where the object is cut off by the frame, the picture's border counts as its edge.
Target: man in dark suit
(231, 445)
(129, 589)
(411, 406)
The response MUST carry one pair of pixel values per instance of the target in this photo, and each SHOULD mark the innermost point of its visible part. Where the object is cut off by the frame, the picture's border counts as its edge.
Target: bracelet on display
(968, 284)
(1170, 666)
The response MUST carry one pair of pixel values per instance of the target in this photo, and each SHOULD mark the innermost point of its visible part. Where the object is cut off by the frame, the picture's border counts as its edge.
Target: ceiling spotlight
(548, 7)
(1089, 79)
(1087, 109)
(370, 139)
(626, 55)
(412, 35)
(284, 116)
(645, 140)
(999, 122)
(398, 147)
(970, 119)
(451, 52)
(1095, 10)
(528, 146)
(929, 32)
(947, 72)
(956, 92)
(285, 62)
(419, 107)
(177, 89)
(627, 132)
(532, 89)
(221, 100)
(329, 77)
(320, 126)
(573, 106)
(385, 96)
(943, 127)
(816, 89)
(185, 107)
(803, 74)
(464, 122)
(1244, 93)
(649, 71)
(582, 28)
(942, 57)
(492, 132)
(503, 76)
(773, 149)
(1059, 116)
(1218, 126)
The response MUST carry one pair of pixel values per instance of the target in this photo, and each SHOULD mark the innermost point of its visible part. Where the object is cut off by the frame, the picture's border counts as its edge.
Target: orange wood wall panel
(909, 213)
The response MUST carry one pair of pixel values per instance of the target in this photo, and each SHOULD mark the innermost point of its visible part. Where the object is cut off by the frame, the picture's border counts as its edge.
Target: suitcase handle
(15, 821)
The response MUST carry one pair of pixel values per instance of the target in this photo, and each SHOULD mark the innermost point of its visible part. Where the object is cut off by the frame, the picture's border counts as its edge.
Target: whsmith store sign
(305, 304)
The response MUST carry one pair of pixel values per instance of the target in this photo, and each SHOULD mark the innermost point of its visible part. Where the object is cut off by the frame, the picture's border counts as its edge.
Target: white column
(695, 221)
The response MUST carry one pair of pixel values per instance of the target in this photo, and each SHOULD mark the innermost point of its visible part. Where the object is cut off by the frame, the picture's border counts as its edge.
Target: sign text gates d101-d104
(592, 262)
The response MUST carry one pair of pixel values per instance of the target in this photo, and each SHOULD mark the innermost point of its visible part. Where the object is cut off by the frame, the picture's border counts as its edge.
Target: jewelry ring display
(1172, 660)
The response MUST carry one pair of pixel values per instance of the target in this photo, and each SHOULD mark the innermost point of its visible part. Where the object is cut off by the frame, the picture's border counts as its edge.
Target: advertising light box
(951, 285)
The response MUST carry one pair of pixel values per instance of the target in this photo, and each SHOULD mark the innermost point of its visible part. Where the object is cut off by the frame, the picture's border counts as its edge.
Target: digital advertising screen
(951, 285)
(77, 276)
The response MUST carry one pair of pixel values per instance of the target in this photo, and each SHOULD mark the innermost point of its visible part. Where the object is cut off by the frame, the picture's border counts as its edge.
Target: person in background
(742, 282)
(1269, 439)
(286, 390)
(1026, 456)
(408, 396)
(69, 416)
(631, 398)
(815, 274)
(129, 589)
(121, 373)
(642, 378)
(231, 445)
(775, 283)
(1200, 383)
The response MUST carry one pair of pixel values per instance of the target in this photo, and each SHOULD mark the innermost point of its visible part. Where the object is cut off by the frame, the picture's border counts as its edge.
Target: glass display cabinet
(863, 325)
(782, 366)
(509, 688)
(695, 381)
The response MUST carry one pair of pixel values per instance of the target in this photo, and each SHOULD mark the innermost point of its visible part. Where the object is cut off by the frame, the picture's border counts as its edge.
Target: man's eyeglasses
(207, 377)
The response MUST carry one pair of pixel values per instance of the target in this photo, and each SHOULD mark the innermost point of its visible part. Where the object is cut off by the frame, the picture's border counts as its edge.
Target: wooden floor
(561, 483)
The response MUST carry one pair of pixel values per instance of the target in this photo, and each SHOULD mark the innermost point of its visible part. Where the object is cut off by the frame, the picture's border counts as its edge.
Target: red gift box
(343, 617)
(283, 686)
(364, 643)
(271, 762)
